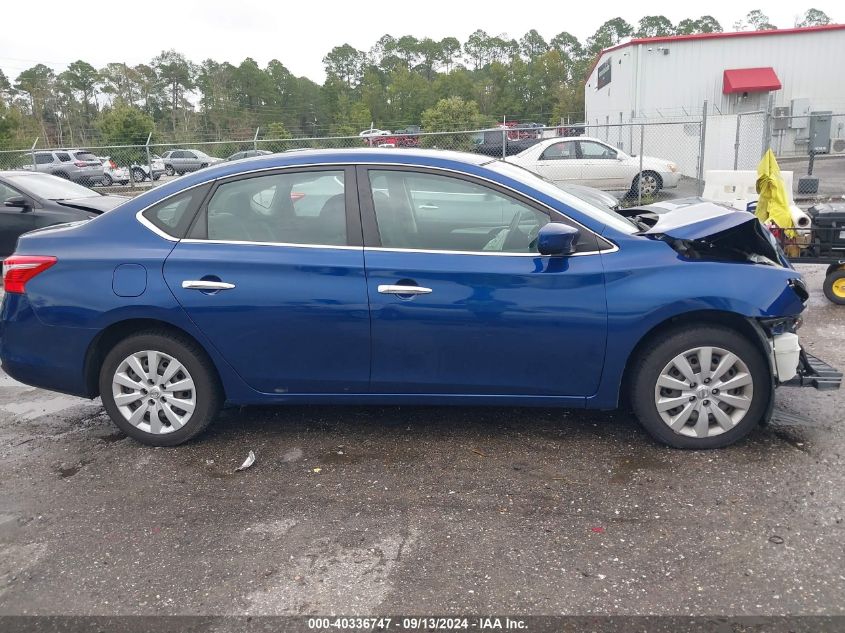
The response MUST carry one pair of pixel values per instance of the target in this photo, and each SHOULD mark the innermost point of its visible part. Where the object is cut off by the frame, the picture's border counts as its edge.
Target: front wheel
(834, 286)
(139, 175)
(107, 180)
(650, 181)
(701, 387)
(168, 169)
(159, 388)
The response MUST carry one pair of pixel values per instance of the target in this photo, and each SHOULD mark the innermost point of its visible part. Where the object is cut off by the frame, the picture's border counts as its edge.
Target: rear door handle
(387, 289)
(202, 284)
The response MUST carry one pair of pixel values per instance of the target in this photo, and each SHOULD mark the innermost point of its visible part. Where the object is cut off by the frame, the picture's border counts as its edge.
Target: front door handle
(388, 289)
(203, 284)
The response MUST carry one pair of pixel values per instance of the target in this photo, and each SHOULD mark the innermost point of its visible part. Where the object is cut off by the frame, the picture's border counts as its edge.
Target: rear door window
(287, 208)
(43, 159)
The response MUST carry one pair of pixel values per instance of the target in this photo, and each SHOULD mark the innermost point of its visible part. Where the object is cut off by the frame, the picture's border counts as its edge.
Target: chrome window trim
(139, 215)
(484, 253)
(340, 247)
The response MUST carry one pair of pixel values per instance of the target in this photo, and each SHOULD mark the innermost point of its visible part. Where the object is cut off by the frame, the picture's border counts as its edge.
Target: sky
(300, 33)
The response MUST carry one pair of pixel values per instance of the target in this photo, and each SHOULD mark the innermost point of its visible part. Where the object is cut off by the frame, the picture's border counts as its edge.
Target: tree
(430, 53)
(10, 122)
(277, 131)
(38, 83)
(654, 26)
(704, 24)
(177, 73)
(450, 115)
(408, 49)
(346, 63)
(814, 17)
(757, 20)
(82, 78)
(568, 45)
(5, 88)
(450, 50)
(608, 34)
(532, 45)
(125, 125)
(477, 48)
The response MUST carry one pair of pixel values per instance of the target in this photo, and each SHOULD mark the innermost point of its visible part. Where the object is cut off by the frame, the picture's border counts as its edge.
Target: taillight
(19, 269)
(80, 163)
(112, 164)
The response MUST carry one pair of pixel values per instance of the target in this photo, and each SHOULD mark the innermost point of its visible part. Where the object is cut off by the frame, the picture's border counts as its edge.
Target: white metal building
(734, 72)
(796, 71)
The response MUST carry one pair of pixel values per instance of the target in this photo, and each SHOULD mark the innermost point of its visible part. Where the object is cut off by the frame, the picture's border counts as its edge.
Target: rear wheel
(701, 387)
(107, 181)
(160, 389)
(168, 169)
(834, 286)
(139, 175)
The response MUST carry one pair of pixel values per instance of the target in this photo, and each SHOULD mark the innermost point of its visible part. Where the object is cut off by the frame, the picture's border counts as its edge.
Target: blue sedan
(405, 277)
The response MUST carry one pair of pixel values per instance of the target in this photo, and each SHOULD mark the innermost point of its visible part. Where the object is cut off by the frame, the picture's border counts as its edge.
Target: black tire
(168, 169)
(204, 165)
(208, 392)
(651, 362)
(139, 175)
(106, 181)
(157, 176)
(646, 174)
(833, 284)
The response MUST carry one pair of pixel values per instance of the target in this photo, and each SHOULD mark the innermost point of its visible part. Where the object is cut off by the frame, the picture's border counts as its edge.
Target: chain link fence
(637, 162)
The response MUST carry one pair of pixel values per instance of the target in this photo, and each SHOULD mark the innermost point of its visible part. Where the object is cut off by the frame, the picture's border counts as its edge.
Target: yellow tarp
(774, 203)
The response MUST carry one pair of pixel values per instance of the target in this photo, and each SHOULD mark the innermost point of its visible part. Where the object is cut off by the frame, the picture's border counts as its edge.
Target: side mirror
(557, 239)
(18, 201)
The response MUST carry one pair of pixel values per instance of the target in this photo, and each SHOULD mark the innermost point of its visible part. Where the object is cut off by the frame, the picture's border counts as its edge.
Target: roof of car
(376, 154)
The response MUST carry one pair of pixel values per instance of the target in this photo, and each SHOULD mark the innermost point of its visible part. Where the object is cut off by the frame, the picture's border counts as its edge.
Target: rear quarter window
(173, 216)
(85, 156)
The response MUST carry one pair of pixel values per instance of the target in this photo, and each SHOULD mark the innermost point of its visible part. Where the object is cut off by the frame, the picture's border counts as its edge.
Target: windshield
(50, 187)
(602, 214)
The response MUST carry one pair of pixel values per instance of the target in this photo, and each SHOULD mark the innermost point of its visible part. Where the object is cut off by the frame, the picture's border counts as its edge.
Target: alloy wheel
(704, 392)
(648, 184)
(154, 392)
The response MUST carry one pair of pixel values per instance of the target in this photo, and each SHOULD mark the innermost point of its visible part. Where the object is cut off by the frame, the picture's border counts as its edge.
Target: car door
(460, 301)
(559, 162)
(272, 272)
(601, 166)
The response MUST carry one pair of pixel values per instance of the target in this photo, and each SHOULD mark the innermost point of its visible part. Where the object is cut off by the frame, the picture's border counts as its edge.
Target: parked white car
(373, 132)
(112, 173)
(589, 161)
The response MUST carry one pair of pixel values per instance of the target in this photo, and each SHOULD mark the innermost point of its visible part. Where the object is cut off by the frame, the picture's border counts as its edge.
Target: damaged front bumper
(813, 372)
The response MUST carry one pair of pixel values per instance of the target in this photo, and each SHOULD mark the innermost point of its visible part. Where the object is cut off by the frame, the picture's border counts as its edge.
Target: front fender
(649, 285)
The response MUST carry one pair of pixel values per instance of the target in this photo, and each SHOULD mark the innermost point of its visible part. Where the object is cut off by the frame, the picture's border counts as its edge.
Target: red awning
(750, 80)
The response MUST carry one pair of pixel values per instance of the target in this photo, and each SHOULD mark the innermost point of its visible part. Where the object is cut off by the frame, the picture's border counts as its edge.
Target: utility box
(819, 132)
(780, 118)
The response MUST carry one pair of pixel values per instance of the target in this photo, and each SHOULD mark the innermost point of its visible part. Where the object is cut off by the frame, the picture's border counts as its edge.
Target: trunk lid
(95, 204)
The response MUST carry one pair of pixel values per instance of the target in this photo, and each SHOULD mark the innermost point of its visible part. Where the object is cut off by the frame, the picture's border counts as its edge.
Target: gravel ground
(424, 510)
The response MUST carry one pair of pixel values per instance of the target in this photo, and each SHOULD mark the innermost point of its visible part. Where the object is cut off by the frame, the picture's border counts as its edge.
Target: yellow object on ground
(773, 203)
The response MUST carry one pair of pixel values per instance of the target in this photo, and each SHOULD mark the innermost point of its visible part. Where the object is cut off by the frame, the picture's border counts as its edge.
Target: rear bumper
(813, 372)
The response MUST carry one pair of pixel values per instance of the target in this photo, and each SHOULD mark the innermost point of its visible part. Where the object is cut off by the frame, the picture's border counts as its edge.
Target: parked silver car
(180, 161)
(141, 172)
(78, 165)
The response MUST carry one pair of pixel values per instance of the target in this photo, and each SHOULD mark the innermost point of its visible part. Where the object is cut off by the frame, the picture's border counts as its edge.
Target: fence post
(703, 131)
(255, 139)
(736, 142)
(149, 158)
(32, 151)
(640, 179)
(504, 136)
(767, 124)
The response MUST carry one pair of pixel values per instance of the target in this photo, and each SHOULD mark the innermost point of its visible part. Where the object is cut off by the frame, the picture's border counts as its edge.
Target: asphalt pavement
(424, 510)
